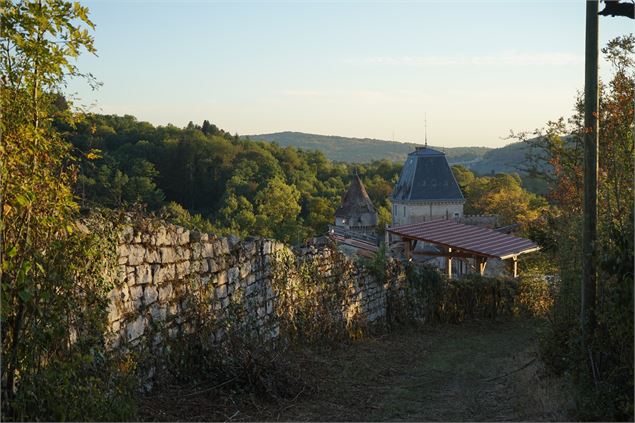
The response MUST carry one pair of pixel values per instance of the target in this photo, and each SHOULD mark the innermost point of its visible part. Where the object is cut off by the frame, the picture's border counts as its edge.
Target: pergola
(463, 241)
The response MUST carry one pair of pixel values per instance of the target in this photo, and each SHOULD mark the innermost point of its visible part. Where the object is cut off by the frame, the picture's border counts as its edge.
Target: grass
(475, 371)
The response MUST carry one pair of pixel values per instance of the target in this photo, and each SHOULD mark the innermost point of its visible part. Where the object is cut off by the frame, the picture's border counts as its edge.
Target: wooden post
(482, 262)
(589, 268)
(448, 263)
(513, 267)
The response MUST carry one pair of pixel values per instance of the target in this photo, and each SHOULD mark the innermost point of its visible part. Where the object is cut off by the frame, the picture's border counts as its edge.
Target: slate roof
(355, 201)
(426, 175)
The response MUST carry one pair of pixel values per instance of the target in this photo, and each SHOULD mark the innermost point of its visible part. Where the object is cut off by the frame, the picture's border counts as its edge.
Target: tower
(426, 189)
(356, 212)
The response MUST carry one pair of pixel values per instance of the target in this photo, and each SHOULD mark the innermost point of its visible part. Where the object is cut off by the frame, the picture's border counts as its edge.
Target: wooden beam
(458, 254)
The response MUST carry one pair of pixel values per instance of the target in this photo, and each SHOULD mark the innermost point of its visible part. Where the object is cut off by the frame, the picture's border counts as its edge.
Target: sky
(475, 70)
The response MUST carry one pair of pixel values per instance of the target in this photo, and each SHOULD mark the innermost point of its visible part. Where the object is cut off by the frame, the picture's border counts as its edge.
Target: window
(456, 215)
(404, 211)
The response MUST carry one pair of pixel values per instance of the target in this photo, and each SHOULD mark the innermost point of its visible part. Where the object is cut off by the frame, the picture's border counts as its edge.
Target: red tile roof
(467, 238)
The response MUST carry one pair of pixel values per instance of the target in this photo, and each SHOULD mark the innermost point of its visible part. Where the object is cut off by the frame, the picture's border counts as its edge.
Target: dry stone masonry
(168, 277)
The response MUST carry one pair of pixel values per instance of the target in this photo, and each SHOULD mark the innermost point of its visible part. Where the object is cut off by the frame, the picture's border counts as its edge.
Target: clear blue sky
(351, 68)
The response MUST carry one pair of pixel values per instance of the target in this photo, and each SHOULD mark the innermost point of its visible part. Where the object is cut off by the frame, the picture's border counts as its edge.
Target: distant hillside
(513, 158)
(507, 159)
(363, 150)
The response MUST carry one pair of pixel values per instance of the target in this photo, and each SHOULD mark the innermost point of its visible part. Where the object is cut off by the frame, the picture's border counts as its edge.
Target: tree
(40, 41)
(504, 196)
(277, 207)
(610, 351)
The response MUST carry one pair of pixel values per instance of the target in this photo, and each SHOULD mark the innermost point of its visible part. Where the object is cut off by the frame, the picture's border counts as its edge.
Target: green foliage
(240, 187)
(428, 296)
(604, 372)
(309, 303)
(81, 387)
(377, 264)
(500, 194)
(54, 277)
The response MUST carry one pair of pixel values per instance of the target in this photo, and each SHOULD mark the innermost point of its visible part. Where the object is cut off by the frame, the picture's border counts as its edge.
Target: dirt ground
(475, 371)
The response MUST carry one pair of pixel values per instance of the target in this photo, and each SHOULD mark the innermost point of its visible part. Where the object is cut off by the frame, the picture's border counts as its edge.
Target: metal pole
(591, 123)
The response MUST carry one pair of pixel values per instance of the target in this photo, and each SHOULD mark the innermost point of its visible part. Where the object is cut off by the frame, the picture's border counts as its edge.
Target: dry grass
(475, 371)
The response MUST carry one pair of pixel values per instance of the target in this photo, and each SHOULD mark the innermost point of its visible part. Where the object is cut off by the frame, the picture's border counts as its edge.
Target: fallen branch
(512, 372)
(209, 389)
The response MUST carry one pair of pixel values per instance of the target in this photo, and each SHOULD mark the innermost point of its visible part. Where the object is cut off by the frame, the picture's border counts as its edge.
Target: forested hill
(508, 159)
(204, 177)
(363, 150)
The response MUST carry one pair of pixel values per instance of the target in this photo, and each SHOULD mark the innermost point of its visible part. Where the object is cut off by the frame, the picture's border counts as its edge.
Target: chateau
(428, 225)
(426, 190)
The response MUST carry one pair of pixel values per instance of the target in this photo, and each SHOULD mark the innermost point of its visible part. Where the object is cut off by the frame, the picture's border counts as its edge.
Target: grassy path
(482, 371)
(475, 371)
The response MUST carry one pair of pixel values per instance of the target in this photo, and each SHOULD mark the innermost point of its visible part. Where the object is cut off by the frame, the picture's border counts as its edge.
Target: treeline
(203, 176)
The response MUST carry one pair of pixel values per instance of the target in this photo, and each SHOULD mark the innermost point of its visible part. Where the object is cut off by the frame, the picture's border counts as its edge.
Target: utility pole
(591, 124)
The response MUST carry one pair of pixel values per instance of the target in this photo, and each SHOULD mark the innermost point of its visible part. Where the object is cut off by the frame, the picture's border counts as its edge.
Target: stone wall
(169, 278)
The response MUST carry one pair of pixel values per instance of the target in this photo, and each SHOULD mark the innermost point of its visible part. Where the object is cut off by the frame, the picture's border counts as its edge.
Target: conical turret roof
(426, 175)
(355, 200)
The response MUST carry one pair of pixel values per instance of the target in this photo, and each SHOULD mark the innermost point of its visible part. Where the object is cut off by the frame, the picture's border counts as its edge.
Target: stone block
(152, 256)
(249, 247)
(144, 274)
(221, 291)
(113, 310)
(136, 328)
(161, 236)
(166, 272)
(168, 255)
(126, 234)
(195, 266)
(123, 293)
(233, 274)
(267, 247)
(197, 249)
(136, 294)
(182, 269)
(165, 292)
(223, 246)
(184, 236)
(204, 266)
(158, 312)
(232, 241)
(136, 254)
(244, 270)
(207, 250)
(150, 294)
(224, 303)
(183, 253)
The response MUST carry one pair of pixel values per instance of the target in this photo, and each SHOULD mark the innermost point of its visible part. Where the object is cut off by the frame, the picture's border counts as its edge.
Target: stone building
(426, 190)
(356, 213)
